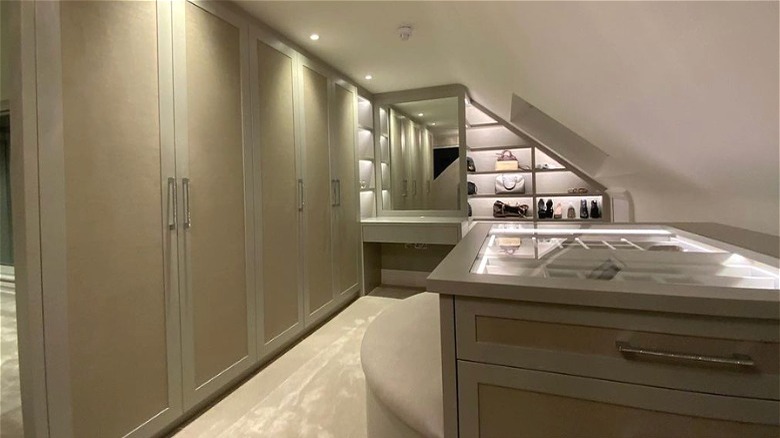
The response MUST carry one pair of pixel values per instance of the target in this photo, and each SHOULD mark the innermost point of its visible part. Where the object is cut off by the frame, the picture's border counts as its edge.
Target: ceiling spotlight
(433, 123)
(369, 77)
(314, 37)
(420, 114)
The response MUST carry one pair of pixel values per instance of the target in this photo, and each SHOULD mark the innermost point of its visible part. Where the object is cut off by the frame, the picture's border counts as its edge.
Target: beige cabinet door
(317, 193)
(108, 254)
(346, 226)
(280, 271)
(214, 166)
(497, 401)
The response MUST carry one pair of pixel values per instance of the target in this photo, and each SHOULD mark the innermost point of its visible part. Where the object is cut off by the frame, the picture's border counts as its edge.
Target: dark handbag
(501, 209)
(470, 165)
(472, 188)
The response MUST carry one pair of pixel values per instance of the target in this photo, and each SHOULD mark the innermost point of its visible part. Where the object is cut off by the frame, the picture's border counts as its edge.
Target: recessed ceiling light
(433, 123)
(314, 37)
(420, 114)
(369, 77)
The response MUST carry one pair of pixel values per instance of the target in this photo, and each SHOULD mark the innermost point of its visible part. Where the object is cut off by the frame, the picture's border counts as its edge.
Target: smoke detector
(405, 32)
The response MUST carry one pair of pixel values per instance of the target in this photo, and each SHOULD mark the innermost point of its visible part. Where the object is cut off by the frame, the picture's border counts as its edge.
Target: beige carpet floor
(10, 395)
(315, 389)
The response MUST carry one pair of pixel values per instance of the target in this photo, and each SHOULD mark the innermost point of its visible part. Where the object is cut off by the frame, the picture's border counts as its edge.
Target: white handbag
(510, 183)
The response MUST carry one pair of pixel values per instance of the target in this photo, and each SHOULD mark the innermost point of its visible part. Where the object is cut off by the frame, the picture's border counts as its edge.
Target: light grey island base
(551, 353)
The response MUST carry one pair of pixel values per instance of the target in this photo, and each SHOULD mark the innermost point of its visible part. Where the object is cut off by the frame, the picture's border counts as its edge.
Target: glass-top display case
(614, 253)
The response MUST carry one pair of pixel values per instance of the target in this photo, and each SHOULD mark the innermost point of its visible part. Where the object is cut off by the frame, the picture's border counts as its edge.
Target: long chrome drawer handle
(740, 360)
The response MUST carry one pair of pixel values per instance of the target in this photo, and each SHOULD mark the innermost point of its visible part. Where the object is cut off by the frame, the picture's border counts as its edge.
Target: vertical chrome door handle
(414, 188)
(300, 195)
(172, 204)
(333, 193)
(187, 214)
(406, 190)
(338, 192)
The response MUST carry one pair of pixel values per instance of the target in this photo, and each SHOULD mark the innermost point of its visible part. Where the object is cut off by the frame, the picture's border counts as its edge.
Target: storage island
(609, 330)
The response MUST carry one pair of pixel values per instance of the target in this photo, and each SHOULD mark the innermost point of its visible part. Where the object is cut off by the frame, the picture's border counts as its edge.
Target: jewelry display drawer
(728, 356)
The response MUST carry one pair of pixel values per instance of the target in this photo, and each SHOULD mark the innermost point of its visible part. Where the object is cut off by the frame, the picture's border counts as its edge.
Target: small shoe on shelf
(549, 209)
(583, 209)
(542, 211)
(595, 212)
(571, 213)
(558, 211)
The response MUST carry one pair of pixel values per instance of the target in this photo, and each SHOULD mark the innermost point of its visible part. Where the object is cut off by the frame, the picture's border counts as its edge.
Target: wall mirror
(421, 155)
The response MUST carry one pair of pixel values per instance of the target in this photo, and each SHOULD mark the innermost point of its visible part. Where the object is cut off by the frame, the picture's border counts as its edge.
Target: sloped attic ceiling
(682, 96)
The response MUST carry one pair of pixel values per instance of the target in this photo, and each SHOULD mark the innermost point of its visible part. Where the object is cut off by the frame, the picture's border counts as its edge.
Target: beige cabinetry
(565, 370)
(278, 195)
(198, 206)
(346, 222)
(109, 257)
(214, 166)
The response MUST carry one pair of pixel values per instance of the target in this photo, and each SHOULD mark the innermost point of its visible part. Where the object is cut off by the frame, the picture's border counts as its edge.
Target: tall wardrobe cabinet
(198, 206)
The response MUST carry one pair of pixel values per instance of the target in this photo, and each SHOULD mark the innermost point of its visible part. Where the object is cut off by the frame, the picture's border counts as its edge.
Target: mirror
(420, 155)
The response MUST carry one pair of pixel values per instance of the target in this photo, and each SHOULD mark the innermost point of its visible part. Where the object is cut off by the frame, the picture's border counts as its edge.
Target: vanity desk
(609, 330)
(415, 229)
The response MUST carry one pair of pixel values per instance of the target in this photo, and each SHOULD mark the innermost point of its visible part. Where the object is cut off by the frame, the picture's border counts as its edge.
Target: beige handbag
(507, 161)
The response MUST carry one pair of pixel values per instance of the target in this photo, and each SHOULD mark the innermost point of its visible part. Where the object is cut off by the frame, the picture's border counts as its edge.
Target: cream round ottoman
(401, 356)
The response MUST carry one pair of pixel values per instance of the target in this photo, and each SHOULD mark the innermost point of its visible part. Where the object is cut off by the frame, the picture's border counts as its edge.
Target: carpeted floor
(10, 395)
(316, 389)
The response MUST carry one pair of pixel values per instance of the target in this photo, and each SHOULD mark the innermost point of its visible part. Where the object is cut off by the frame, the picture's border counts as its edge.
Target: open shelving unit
(366, 159)
(547, 176)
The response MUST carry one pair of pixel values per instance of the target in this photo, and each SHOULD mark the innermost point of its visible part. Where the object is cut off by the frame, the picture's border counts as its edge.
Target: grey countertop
(453, 276)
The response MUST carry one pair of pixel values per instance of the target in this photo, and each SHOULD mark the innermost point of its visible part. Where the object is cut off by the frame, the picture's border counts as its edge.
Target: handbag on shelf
(501, 209)
(472, 188)
(470, 165)
(507, 161)
(510, 183)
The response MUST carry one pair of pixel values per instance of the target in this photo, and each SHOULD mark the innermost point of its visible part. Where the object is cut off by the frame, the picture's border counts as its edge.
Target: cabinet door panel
(218, 296)
(281, 285)
(494, 400)
(317, 192)
(116, 243)
(347, 228)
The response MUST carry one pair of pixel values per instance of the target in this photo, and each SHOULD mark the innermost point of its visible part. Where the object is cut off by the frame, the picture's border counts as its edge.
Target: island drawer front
(584, 342)
(432, 234)
(495, 399)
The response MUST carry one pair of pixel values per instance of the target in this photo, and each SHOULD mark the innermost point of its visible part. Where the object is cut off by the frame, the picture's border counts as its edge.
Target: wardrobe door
(346, 208)
(215, 168)
(108, 254)
(280, 271)
(318, 266)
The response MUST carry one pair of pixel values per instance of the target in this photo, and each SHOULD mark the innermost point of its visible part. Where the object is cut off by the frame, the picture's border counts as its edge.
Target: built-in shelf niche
(546, 177)
(366, 158)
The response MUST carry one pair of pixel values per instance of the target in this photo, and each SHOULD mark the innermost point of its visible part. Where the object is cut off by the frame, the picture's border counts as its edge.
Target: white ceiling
(681, 95)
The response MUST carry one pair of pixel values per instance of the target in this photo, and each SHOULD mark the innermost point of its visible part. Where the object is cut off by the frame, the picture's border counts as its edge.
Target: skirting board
(395, 277)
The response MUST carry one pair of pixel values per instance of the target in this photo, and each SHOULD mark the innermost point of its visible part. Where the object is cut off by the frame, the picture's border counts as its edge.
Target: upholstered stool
(401, 356)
